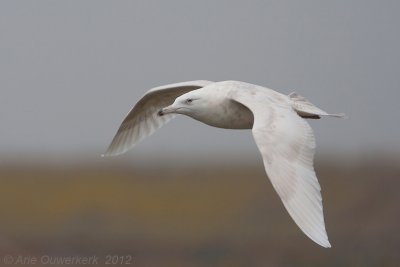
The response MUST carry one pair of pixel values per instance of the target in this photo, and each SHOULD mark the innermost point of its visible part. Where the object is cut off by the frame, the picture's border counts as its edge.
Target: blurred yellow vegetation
(197, 216)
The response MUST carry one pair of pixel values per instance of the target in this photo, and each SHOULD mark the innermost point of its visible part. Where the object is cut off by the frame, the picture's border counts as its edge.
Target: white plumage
(285, 140)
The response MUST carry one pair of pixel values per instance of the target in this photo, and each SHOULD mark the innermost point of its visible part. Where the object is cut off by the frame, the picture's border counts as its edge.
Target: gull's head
(190, 104)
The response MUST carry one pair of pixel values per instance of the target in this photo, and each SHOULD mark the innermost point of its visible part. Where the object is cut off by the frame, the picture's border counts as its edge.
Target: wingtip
(112, 153)
(108, 154)
(323, 243)
(327, 244)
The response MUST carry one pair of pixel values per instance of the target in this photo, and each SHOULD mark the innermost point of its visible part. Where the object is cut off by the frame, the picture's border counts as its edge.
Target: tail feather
(307, 110)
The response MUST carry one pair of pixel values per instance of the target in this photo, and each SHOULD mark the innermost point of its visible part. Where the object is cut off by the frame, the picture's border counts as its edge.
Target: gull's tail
(307, 110)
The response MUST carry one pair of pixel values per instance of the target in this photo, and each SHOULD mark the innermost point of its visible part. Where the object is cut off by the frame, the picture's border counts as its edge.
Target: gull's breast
(229, 115)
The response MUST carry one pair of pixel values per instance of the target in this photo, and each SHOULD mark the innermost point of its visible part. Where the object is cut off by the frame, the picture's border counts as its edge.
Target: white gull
(285, 140)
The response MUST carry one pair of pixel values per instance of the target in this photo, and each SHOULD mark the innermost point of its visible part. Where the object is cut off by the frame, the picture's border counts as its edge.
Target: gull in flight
(284, 138)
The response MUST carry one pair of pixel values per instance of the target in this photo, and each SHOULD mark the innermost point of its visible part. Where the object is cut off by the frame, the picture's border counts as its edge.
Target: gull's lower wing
(143, 120)
(287, 145)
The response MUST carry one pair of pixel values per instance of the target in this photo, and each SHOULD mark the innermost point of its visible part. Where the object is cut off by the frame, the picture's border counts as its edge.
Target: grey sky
(71, 70)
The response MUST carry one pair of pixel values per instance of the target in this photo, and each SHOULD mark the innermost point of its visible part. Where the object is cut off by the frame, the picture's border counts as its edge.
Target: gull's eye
(189, 100)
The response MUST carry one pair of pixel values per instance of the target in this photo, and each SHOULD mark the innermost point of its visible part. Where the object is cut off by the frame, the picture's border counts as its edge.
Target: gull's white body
(284, 138)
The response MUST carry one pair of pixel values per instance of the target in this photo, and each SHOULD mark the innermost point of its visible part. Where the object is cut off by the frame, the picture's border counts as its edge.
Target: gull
(284, 138)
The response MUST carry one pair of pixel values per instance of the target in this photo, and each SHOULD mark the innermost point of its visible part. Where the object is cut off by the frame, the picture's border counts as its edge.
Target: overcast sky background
(71, 70)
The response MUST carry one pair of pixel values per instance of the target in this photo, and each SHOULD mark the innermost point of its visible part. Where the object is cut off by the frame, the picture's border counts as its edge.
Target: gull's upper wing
(287, 145)
(143, 120)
